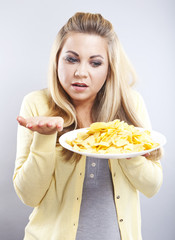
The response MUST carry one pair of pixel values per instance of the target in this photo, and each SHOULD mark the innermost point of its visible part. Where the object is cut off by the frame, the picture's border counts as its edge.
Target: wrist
(44, 143)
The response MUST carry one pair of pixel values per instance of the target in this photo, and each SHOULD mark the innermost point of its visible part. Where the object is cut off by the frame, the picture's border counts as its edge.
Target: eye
(96, 63)
(71, 59)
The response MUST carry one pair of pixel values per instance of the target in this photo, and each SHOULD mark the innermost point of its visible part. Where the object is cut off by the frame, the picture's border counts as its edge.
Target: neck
(84, 115)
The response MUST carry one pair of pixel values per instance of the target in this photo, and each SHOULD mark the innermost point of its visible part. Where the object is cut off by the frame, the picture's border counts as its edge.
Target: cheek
(101, 76)
(65, 73)
(62, 74)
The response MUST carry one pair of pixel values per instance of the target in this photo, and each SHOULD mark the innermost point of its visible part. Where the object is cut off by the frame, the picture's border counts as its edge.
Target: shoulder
(137, 99)
(35, 96)
(141, 109)
(136, 95)
(36, 102)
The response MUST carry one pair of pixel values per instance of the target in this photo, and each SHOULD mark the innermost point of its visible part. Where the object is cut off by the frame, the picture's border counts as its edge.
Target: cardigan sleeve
(145, 175)
(35, 162)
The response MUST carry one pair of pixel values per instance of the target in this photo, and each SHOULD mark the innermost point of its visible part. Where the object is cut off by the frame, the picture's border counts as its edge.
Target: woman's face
(83, 66)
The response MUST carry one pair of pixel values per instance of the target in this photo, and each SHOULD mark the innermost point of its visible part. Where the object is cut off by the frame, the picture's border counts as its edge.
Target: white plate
(156, 136)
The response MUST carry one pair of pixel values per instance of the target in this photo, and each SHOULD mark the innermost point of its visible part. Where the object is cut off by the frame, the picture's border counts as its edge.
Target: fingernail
(18, 119)
(40, 124)
(60, 127)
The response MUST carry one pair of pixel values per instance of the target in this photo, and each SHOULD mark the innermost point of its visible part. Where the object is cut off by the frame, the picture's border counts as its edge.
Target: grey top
(98, 217)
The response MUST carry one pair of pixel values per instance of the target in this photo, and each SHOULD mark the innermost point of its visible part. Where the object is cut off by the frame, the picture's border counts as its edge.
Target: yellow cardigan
(54, 187)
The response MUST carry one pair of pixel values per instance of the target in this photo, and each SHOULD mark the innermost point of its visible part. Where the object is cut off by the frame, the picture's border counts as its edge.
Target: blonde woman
(76, 197)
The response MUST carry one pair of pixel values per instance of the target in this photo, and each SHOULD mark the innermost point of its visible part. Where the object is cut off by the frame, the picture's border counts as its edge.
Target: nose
(81, 71)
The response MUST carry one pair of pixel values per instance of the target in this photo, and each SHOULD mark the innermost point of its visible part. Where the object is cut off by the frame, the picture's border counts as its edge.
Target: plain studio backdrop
(146, 31)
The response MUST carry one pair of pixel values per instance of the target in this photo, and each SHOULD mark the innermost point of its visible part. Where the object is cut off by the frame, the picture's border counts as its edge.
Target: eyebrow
(76, 54)
(94, 56)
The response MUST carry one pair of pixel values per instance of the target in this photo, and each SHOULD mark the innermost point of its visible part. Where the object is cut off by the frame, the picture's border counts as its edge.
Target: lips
(76, 84)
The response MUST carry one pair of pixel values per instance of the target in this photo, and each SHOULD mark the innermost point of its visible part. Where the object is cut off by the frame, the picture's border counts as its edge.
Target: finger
(22, 121)
(146, 155)
(59, 127)
(51, 124)
(55, 123)
(41, 124)
(32, 123)
(60, 124)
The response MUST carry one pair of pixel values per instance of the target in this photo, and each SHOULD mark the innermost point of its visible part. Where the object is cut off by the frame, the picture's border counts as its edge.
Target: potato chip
(113, 137)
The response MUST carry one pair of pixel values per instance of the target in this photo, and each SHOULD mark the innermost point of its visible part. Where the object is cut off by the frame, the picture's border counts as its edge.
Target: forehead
(86, 43)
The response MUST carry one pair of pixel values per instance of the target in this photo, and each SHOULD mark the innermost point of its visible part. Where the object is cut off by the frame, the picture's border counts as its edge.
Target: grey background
(146, 30)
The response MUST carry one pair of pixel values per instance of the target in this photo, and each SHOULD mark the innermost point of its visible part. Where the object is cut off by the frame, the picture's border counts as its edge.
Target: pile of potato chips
(114, 137)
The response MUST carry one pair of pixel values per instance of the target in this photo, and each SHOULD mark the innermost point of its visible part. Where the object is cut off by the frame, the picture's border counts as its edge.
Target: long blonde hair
(114, 100)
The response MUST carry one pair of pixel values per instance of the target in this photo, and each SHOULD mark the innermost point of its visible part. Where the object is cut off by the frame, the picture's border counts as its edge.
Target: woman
(75, 197)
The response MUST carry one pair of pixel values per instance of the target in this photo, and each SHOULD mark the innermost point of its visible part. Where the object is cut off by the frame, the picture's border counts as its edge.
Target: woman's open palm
(42, 125)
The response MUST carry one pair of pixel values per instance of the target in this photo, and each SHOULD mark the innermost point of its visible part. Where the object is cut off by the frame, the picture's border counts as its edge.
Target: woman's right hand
(42, 125)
